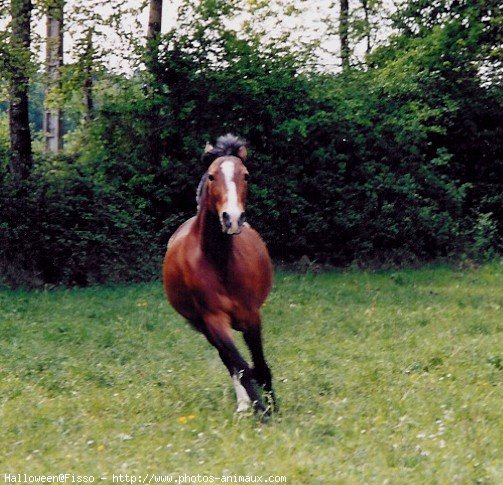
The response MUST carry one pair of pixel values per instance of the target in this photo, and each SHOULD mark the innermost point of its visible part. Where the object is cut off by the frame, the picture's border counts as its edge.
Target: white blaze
(232, 194)
(231, 207)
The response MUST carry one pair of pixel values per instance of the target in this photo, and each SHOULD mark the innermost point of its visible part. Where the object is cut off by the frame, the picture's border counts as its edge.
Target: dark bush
(63, 226)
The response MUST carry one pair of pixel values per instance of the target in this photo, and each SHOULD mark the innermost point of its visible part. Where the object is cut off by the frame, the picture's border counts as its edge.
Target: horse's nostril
(227, 219)
(242, 219)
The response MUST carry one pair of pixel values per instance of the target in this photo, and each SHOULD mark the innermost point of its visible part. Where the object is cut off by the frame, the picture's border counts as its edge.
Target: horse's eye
(211, 177)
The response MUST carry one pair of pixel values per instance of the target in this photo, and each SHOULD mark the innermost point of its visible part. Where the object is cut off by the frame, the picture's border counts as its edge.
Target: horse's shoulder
(252, 248)
(251, 236)
(182, 231)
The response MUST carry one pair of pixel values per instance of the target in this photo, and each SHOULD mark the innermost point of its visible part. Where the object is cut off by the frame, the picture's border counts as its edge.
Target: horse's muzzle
(232, 223)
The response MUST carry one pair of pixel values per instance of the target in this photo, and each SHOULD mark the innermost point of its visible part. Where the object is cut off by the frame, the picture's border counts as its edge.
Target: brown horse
(217, 271)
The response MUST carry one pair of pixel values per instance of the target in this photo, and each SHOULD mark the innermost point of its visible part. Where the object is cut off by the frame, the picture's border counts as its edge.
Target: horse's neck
(216, 245)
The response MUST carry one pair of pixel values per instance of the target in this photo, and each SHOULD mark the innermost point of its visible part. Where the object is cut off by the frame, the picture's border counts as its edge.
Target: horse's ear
(242, 153)
(209, 154)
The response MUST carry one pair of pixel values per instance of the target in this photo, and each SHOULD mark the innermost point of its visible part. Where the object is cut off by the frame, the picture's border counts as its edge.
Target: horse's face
(227, 190)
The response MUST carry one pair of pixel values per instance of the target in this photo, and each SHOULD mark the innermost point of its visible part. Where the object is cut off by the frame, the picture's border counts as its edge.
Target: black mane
(226, 145)
(199, 191)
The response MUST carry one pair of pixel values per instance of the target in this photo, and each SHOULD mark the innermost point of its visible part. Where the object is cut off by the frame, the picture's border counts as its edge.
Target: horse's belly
(175, 285)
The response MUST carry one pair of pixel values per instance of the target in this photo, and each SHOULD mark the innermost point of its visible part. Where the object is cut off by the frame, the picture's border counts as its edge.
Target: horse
(217, 272)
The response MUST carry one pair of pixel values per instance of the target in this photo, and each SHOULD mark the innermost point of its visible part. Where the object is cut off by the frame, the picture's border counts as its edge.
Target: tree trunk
(87, 84)
(153, 35)
(344, 33)
(53, 124)
(154, 19)
(365, 5)
(20, 136)
(153, 140)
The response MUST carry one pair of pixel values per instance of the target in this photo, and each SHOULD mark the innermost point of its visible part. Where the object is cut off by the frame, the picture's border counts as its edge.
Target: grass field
(382, 377)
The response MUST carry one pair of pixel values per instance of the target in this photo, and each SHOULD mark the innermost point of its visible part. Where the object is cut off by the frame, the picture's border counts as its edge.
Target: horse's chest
(229, 291)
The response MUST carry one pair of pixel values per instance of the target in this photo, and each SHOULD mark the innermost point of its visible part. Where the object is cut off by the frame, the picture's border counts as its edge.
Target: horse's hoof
(262, 412)
(265, 416)
(270, 400)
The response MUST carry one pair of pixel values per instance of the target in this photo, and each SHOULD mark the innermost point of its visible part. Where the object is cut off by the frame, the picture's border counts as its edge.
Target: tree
(20, 136)
(87, 82)
(152, 63)
(344, 33)
(154, 19)
(53, 117)
(89, 23)
(366, 14)
(153, 35)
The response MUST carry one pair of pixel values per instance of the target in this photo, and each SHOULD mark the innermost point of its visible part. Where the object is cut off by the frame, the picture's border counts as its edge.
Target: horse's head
(227, 190)
(225, 186)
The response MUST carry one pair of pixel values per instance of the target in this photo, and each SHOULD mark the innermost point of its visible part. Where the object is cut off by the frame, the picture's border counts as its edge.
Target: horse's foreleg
(242, 395)
(219, 334)
(261, 371)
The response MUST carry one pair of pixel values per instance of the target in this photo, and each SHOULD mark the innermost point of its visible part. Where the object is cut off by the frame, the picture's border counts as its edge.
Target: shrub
(64, 226)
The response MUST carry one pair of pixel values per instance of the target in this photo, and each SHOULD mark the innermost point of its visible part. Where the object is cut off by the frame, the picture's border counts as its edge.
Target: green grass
(382, 377)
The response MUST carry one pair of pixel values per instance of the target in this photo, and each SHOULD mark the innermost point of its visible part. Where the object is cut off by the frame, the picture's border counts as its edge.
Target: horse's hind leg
(218, 332)
(261, 371)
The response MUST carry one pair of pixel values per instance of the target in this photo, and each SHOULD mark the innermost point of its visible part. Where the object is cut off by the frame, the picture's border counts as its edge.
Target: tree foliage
(396, 160)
